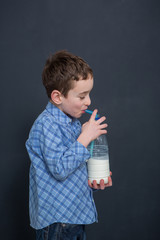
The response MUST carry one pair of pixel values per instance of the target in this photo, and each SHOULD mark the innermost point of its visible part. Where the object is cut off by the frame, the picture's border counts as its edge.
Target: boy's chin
(77, 115)
(80, 115)
(74, 115)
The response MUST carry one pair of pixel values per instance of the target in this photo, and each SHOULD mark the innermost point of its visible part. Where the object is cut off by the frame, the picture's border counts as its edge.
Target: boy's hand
(102, 185)
(92, 129)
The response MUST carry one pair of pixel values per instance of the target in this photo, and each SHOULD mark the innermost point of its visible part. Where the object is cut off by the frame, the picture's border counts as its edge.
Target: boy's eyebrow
(84, 92)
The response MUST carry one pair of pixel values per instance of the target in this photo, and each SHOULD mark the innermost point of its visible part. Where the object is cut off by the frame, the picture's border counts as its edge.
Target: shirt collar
(58, 114)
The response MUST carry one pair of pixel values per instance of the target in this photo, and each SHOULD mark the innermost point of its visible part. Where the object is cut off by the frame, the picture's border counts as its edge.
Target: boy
(61, 200)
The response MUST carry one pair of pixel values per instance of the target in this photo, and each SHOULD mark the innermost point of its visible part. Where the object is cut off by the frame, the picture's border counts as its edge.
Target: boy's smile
(78, 99)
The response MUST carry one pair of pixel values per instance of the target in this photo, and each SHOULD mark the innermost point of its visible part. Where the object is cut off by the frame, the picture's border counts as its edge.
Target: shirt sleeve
(59, 159)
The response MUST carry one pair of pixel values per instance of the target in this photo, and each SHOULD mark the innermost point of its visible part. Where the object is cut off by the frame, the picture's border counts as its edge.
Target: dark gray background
(120, 40)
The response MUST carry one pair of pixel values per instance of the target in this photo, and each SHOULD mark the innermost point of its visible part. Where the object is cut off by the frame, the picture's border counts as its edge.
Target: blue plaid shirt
(59, 190)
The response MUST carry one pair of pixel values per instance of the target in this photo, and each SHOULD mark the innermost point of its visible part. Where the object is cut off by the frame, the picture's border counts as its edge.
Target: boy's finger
(89, 183)
(95, 184)
(102, 126)
(102, 119)
(93, 116)
(102, 186)
(109, 181)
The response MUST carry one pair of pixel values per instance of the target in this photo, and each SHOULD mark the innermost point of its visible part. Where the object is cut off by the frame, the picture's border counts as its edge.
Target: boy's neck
(56, 105)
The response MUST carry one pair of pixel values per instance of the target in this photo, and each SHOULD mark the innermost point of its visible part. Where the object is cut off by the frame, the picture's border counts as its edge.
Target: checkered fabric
(59, 190)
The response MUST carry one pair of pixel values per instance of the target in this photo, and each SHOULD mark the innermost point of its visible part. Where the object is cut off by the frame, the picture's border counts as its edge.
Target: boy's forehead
(83, 86)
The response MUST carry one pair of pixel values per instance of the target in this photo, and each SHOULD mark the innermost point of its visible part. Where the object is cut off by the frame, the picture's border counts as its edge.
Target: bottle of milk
(98, 164)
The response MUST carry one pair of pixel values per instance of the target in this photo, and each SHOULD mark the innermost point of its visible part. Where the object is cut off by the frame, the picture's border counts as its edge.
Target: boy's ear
(56, 97)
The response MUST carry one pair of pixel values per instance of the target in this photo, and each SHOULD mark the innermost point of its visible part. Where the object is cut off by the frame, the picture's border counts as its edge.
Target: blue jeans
(61, 231)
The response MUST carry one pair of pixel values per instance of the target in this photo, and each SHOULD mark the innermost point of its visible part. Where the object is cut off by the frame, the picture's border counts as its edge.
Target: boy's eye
(82, 98)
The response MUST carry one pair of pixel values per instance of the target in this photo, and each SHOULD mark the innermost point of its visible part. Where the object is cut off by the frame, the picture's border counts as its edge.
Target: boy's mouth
(83, 111)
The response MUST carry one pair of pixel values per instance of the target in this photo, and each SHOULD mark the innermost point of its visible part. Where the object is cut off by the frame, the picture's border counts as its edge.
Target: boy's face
(78, 99)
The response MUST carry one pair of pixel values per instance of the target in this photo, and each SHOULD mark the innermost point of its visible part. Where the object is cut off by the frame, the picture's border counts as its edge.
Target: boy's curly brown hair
(61, 69)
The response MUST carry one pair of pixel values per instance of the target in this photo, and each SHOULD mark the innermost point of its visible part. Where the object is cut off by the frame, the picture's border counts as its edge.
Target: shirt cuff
(81, 151)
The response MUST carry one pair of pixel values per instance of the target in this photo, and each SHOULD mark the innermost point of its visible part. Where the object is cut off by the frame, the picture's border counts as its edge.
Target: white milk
(98, 169)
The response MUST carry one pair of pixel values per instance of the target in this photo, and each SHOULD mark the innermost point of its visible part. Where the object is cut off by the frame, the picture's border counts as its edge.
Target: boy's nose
(88, 101)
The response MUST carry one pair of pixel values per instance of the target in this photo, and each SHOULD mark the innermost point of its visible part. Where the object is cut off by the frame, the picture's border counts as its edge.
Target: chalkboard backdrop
(121, 41)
